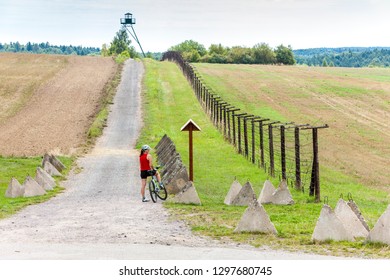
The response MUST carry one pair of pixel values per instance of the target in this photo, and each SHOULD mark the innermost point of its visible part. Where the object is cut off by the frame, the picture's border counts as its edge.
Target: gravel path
(101, 216)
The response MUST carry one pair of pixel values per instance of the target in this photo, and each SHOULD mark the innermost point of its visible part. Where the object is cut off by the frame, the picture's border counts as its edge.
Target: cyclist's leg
(143, 185)
(158, 178)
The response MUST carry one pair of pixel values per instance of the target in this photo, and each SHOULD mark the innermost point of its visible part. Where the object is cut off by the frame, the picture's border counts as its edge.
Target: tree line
(47, 48)
(193, 51)
(344, 57)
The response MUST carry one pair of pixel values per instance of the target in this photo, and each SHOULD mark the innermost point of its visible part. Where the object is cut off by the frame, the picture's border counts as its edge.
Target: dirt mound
(60, 111)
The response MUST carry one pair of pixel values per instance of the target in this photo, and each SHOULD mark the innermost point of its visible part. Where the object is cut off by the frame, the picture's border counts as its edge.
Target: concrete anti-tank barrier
(381, 230)
(279, 196)
(255, 219)
(15, 189)
(174, 173)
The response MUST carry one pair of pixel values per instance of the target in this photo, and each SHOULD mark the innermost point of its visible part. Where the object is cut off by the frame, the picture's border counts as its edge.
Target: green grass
(100, 121)
(169, 102)
(19, 168)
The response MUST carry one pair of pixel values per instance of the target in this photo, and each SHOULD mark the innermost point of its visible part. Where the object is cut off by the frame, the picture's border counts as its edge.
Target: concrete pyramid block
(188, 195)
(356, 210)
(282, 195)
(44, 179)
(266, 193)
(32, 188)
(233, 192)
(350, 220)
(330, 227)
(245, 195)
(15, 189)
(57, 163)
(54, 161)
(255, 219)
(50, 169)
(177, 180)
(381, 230)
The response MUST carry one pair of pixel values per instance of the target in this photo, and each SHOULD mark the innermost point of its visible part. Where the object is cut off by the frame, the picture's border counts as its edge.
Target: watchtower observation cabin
(128, 19)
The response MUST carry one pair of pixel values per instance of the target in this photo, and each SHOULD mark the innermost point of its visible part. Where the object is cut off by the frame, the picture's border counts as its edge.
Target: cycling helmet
(145, 147)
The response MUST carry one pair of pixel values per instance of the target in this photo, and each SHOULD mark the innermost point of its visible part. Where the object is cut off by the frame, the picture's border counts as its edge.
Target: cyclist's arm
(150, 159)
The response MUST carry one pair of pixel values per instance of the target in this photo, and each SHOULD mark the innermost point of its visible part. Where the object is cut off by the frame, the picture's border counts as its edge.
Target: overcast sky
(164, 23)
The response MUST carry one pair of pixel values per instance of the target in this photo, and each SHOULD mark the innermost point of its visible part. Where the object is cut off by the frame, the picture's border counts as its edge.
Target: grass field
(19, 168)
(355, 103)
(169, 102)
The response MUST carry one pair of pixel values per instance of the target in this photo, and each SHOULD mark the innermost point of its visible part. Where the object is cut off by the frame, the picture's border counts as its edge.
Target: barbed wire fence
(285, 150)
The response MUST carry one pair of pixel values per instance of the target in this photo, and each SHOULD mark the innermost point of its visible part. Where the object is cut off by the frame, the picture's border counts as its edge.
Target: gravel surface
(100, 214)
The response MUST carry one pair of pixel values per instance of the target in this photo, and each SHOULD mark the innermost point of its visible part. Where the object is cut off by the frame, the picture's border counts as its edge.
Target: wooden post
(190, 126)
(234, 128)
(298, 183)
(239, 135)
(271, 151)
(315, 172)
(261, 135)
(233, 110)
(316, 166)
(253, 142)
(271, 148)
(246, 138)
(283, 151)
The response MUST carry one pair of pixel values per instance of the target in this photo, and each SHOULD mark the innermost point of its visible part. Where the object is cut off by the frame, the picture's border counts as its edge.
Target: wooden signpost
(191, 126)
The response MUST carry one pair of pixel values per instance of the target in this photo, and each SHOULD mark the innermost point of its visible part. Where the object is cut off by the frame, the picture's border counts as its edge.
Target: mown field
(354, 102)
(169, 103)
(49, 103)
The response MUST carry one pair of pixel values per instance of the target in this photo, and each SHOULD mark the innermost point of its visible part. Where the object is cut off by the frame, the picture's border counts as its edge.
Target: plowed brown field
(47, 102)
(355, 103)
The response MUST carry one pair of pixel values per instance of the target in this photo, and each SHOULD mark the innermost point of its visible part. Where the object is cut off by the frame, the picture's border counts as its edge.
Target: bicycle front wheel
(162, 193)
(152, 190)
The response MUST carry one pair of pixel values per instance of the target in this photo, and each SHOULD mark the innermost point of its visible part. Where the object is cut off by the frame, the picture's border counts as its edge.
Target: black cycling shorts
(146, 173)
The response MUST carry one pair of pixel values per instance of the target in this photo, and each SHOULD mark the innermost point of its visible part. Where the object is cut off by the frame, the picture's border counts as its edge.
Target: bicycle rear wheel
(152, 190)
(162, 193)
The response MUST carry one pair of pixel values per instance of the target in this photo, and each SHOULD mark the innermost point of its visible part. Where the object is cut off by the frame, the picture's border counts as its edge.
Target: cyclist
(146, 167)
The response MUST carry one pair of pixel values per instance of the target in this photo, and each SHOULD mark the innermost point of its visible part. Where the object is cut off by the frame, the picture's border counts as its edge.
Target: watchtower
(128, 20)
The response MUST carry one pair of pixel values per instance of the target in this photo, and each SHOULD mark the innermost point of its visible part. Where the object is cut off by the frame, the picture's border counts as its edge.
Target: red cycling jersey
(144, 162)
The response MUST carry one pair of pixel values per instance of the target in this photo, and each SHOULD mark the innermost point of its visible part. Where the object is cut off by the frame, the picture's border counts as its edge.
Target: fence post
(239, 134)
(315, 173)
(239, 131)
(246, 137)
(234, 128)
(261, 136)
(316, 167)
(271, 151)
(233, 110)
(298, 184)
(271, 148)
(253, 142)
(283, 151)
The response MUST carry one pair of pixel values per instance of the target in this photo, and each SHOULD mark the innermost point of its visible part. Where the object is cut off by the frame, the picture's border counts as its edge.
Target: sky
(165, 23)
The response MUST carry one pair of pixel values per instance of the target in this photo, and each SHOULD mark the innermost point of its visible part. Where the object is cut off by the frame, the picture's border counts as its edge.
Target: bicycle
(156, 190)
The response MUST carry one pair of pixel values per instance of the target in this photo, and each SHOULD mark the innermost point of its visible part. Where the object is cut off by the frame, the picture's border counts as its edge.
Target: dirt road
(100, 214)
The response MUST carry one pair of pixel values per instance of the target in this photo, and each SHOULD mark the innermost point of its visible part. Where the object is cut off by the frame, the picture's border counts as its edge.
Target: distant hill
(46, 48)
(344, 57)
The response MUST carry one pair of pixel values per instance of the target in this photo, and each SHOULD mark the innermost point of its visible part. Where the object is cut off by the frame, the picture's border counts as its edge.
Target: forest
(47, 48)
(344, 57)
